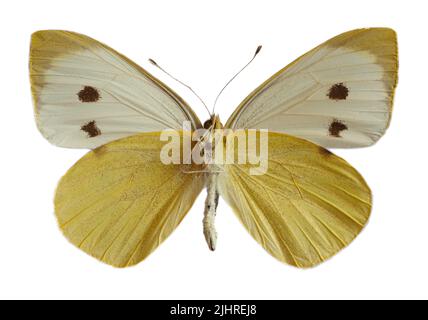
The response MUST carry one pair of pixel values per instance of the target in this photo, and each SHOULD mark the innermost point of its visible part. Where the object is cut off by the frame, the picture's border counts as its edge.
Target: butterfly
(119, 202)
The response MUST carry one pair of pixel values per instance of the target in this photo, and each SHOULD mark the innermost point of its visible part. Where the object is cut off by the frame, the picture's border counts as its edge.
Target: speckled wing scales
(339, 94)
(86, 94)
(119, 202)
(308, 205)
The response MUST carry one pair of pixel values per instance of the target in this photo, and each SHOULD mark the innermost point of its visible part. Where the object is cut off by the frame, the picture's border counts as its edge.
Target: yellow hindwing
(308, 205)
(119, 202)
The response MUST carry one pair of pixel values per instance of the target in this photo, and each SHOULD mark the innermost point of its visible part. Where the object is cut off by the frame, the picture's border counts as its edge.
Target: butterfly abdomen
(211, 204)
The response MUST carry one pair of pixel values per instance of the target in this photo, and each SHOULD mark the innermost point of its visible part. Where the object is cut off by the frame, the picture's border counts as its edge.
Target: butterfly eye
(208, 124)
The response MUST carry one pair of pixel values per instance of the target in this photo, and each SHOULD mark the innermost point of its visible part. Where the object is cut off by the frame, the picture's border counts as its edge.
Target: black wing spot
(88, 94)
(336, 127)
(338, 92)
(91, 129)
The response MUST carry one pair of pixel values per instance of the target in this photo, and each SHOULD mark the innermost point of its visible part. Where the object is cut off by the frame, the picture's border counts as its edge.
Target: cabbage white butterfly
(119, 202)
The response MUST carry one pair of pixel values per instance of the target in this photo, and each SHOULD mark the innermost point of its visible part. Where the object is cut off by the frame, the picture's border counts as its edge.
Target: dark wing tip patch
(91, 129)
(338, 92)
(336, 127)
(88, 94)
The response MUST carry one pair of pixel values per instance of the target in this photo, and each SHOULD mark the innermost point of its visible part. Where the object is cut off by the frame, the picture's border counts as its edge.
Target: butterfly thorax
(211, 142)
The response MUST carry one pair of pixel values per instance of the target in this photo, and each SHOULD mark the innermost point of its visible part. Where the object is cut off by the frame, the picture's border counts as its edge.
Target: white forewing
(337, 95)
(86, 94)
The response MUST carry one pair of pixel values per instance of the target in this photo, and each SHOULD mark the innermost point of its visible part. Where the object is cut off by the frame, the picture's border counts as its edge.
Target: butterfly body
(213, 169)
(120, 201)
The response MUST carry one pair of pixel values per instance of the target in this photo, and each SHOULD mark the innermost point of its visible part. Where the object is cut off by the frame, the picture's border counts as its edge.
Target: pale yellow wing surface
(339, 94)
(87, 94)
(305, 208)
(119, 202)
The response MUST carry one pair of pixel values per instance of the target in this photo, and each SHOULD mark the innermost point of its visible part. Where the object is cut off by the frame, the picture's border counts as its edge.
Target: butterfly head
(213, 123)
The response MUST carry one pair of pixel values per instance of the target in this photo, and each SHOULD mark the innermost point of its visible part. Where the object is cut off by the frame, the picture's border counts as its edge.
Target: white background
(204, 43)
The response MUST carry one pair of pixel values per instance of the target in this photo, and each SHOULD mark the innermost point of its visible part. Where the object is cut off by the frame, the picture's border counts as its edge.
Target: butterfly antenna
(153, 62)
(259, 48)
